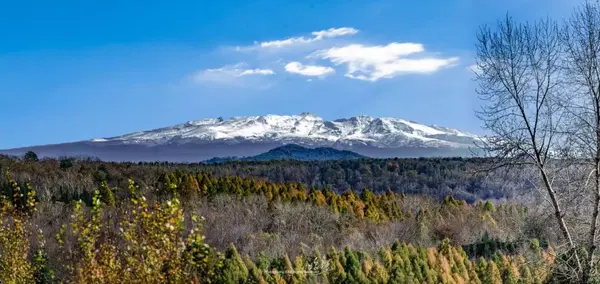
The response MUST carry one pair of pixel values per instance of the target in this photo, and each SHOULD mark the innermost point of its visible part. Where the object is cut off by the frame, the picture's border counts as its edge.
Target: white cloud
(317, 35)
(257, 72)
(474, 68)
(371, 63)
(228, 74)
(284, 42)
(333, 32)
(308, 70)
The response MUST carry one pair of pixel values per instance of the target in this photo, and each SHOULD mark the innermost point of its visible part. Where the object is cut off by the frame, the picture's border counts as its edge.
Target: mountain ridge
(383, 131)
(294, 152)
(244, 136)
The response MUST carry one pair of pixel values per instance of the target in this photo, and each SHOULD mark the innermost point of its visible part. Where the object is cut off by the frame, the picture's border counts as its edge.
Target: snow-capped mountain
(308, 128)
(251, 135)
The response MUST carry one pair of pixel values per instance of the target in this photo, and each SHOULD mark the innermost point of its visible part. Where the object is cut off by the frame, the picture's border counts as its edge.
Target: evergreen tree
(336, 274)
(378, 274)
(233, 269)
(353, 267)
(254, 273)
(489, 206)
(106, 195)
(492, 274)
(300, 269)
(30, 156)
(189, 186)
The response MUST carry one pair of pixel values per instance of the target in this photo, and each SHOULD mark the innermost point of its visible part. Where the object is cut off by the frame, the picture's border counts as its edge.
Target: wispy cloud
(333, 32)
(308, 70)
(317, 35)
(257, 72)
(474, 68)
(228, 74)
(372, 63)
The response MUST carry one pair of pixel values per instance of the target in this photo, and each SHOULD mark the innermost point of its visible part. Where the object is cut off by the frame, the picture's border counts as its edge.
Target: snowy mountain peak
(306, 128)
(309, 114)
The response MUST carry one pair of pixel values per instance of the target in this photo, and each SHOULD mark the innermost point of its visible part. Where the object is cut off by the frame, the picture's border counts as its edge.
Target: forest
(465, 179)
(84, 221)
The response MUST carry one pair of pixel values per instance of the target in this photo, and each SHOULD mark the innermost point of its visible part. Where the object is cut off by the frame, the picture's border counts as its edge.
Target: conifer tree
(288, 270)
(366, 195)
(300, 268)
(254, 273)
(489, 206)
(336, 274)
(316, 197)
(378, 274)
(508, 276)
(106, 195)
(30, 156)
(492, 274)
(386, 257)
(234, 269)
(481, 269)
(524, 271)
(353, 267)
(277, 278)
(263, 262)
(189, 186)
(473, 277)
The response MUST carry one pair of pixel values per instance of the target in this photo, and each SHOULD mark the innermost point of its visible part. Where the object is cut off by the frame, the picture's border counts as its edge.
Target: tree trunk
(591, 245)
(559, 217)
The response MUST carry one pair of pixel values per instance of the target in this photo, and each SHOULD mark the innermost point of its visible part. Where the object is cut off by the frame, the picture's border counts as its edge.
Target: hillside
(294, 152)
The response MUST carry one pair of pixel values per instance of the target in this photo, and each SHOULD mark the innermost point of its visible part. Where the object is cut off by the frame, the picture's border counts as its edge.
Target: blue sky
(75, 70)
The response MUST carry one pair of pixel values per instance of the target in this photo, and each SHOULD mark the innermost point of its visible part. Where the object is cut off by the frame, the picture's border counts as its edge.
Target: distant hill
(295, 152)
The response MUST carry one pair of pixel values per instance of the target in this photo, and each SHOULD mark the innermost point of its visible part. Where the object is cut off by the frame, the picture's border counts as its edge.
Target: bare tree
(581, 39)
(519, 77)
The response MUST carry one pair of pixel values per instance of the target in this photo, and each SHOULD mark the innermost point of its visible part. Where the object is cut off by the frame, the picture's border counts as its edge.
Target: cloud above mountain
(371, 63)
(257, 72)
(327, 50)
(229, 74)
(317, 35)
(308, 70)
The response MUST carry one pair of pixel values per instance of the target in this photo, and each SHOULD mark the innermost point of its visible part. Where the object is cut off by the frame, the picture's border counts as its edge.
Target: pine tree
(30, 156)
(189, 186)
(378, 274)
(254, 273)
(352, 266)
(316, 197)
(492, 274)
(318, 266)
(106, 195)
(481, 269)
(366, 195)
(489, 206)
(234, 269)
(337, 274)
(510, 273)
(371, 212)
(263, 262)
(524, 271)
(277, 278)
(386, 256)
(473, 277)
